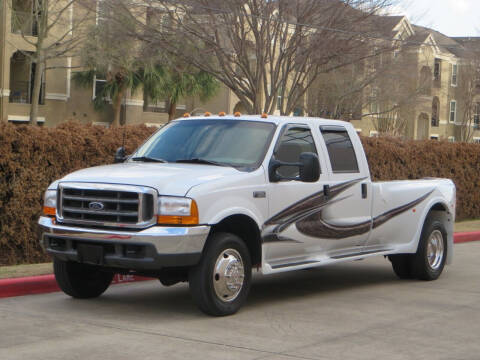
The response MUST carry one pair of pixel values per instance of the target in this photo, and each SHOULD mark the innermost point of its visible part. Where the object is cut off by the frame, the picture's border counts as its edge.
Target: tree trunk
(172, 110)
(117, 107)
(37, 86)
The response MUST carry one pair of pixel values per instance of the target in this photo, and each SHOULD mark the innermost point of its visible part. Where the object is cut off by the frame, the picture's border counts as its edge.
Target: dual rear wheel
(429, 260)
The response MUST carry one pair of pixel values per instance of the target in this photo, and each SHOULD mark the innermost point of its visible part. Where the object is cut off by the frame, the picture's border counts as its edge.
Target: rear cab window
(341, 152)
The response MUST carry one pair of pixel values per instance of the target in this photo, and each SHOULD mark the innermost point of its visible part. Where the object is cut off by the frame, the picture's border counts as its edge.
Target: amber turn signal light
(191, 219)
(49, 211)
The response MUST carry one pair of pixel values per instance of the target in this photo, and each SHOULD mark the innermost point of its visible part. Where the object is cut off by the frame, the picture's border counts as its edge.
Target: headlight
(50, 203)
(177, 211)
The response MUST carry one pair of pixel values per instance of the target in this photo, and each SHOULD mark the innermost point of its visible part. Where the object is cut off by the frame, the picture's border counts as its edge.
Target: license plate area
(90, 254)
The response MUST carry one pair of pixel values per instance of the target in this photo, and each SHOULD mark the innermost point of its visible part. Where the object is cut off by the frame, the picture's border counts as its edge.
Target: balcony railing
(20, 93)
(24, 23)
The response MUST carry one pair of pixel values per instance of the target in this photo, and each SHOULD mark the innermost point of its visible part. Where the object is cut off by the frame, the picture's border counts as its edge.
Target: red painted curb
(46, 284)
(464, 237)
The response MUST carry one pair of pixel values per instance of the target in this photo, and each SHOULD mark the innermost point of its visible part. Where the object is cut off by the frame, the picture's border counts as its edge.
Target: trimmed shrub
(32, 157)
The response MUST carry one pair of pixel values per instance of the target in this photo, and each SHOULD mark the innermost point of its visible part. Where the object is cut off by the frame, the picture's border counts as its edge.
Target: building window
(454, 74)
(25, 16)
(22, 78)
(279, 99)
(453, 111)
(373, 133)
(434, 137)
(476, 116)
(437, 73)
(373, 100)
(98, 86)
(435, 111)
(476, 140)
(451, 139)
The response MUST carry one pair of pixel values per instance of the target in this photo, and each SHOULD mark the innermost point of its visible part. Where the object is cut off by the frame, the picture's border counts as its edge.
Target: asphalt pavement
(356, 310)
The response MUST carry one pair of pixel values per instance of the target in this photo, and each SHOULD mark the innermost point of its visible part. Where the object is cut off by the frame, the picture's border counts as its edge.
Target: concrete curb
(46, 283)
(464, 237)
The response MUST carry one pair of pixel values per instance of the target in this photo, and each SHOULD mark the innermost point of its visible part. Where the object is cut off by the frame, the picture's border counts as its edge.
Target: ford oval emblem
(96, 206)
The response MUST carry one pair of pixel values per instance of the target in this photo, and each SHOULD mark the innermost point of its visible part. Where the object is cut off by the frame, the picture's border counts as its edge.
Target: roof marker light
(221, 113)
(186, 115)
(264, 115)
(238, 114)
(207, 114)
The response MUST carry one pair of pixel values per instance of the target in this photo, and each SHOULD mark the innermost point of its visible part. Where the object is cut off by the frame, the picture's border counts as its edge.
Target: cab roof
(277, 120)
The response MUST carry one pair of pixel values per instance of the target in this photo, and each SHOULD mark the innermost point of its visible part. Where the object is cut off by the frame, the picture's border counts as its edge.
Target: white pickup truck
(206, 199)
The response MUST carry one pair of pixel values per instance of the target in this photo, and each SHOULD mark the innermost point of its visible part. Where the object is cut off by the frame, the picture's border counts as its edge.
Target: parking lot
(356, 310)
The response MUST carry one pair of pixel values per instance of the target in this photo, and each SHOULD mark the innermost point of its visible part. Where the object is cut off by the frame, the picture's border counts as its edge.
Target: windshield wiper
(148, 159)
(201, 161)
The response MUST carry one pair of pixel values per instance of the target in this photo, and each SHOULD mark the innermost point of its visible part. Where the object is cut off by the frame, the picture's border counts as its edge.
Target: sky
(450, 17)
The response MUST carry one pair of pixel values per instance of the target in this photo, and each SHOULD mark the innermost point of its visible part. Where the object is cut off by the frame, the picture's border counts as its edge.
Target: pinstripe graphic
(306, 214)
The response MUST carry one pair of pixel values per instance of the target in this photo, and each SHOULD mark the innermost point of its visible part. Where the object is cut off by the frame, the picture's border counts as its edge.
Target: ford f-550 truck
(206, 199)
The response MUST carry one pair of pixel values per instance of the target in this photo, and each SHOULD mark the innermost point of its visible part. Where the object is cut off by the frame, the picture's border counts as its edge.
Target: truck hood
(167, 179)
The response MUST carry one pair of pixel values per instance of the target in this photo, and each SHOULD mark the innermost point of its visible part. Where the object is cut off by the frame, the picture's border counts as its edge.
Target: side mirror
(309, 168)
(120, 155)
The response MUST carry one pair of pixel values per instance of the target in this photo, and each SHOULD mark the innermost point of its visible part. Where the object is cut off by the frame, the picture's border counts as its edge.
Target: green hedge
(32, 157)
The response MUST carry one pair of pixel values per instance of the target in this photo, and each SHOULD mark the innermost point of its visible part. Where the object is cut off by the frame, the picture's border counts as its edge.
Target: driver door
(282, 242)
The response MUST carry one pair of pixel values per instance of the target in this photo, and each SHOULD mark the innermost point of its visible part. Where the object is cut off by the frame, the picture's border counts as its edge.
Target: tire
(81, 281)
(429, 260)
(210, 281)
(402, 265)
(427, 263)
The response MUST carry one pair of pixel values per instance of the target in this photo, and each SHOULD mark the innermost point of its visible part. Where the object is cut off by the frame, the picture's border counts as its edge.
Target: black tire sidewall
(81, 281)
(201, 276)
(422, 268)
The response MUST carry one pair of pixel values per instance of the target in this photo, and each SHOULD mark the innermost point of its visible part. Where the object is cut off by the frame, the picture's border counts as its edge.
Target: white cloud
(460, 6)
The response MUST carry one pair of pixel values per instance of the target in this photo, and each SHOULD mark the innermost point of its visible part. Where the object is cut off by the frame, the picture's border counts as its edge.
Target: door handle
(326, 191)
(364, 191)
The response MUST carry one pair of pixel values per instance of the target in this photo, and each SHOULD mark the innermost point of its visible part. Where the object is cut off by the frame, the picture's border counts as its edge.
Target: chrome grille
(106, 205)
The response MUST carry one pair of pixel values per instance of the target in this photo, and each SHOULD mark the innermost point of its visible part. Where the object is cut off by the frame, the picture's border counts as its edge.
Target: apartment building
(60, 98)
(436, 109)
(440, 68)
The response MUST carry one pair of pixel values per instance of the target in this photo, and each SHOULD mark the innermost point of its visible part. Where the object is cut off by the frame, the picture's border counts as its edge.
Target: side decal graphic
(306, 214)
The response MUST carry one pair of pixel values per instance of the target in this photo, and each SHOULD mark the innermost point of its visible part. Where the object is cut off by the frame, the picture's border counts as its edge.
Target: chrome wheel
(228, 275)
(435, 250)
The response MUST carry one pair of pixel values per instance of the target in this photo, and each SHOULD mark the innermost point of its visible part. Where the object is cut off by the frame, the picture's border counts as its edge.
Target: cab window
(294, 141)
(341, 151)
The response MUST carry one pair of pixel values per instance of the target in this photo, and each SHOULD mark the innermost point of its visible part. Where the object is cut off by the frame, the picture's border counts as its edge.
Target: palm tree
(118, 82)
(162, 82)
(159, 82)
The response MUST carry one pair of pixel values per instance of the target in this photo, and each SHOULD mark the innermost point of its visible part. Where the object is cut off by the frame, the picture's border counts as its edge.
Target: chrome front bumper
(152, 248)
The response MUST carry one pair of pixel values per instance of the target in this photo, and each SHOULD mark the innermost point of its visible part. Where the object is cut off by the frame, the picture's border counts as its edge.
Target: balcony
(24, 23)
(21, 93)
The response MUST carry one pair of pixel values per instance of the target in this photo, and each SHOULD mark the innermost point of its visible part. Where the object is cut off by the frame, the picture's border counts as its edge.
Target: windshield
(238, 143)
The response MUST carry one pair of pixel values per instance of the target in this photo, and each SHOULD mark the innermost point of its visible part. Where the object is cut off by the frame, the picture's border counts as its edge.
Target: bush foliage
(32, 157)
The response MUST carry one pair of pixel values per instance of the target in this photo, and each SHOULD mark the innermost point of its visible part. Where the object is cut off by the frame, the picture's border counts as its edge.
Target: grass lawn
(25, 270)
(467, 226)
(43, 269)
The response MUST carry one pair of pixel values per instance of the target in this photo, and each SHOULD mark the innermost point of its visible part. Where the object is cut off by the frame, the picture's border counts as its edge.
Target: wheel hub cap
(228, 275)
(435, 249)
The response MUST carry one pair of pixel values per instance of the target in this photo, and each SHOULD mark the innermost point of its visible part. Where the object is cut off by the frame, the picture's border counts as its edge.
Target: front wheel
(220, 283)
(81, 281)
